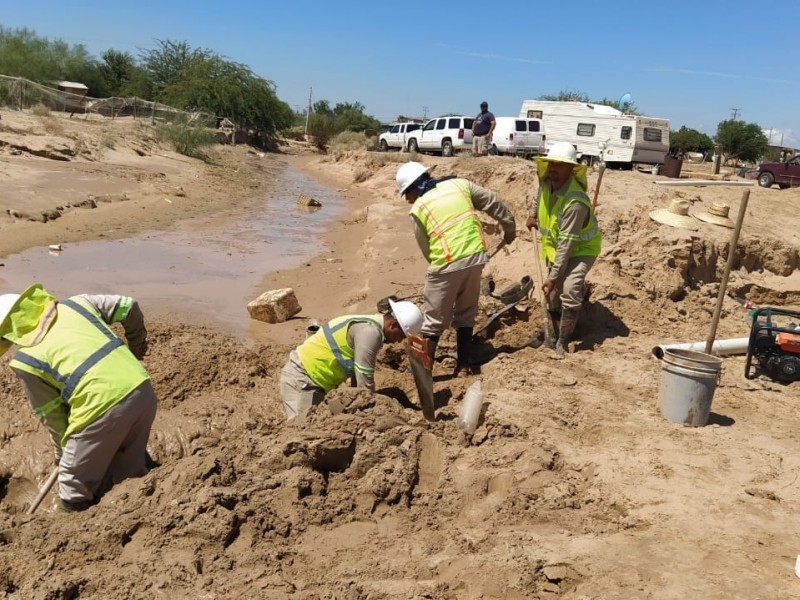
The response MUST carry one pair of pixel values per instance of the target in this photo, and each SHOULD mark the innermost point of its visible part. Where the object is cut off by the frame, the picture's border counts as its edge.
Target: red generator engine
(774, 346)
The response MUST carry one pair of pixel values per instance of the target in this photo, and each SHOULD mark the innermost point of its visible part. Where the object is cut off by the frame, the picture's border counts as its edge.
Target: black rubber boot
(569, 319)
(71, 507)
(463, 351)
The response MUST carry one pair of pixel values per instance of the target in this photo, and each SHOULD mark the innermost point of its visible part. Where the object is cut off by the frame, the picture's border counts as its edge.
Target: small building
(72, 87)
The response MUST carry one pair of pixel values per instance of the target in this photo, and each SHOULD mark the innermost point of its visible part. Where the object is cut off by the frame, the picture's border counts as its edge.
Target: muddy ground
(574, 485)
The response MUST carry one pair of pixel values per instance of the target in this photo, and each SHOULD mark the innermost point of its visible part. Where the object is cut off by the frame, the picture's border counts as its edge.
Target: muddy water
(212, 272)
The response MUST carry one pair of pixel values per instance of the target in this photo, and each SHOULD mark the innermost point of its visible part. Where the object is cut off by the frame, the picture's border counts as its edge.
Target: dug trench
(573, 486)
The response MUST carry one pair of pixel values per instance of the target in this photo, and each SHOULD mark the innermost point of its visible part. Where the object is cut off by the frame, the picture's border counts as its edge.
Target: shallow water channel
(211, 271)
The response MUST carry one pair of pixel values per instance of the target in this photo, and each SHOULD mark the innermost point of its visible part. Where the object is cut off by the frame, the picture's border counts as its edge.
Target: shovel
(45, 489)
(422, 370)
(549, 328)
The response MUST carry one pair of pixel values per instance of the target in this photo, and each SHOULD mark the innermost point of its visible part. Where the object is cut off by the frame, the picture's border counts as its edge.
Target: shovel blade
(423, 379)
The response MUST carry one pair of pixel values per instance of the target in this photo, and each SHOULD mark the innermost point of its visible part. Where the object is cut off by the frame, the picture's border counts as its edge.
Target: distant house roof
(72, 84)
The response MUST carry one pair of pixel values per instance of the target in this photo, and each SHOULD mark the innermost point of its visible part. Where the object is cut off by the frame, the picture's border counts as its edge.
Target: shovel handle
(43, 491)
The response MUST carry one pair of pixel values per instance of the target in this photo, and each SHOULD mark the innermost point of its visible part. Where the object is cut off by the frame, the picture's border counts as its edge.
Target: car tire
(586, 160)
(412, 145)
(447, 148)
(383, 146)
(766, 179)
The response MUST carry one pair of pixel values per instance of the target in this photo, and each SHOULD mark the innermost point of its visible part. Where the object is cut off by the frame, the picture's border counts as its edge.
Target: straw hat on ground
(675, 215)
(717, 215)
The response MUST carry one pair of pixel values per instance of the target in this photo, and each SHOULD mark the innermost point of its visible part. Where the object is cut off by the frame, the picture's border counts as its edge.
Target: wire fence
(21, 94)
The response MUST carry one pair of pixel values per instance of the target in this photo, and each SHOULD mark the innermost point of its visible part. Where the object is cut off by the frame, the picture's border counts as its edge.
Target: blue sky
(695, 63)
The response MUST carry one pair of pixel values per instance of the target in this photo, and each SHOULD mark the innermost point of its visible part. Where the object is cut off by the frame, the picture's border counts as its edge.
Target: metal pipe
(729, 347)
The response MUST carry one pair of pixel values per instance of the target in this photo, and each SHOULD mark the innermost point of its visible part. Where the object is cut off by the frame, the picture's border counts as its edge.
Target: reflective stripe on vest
(450, 221)
(69, 383)
(550, 219)
(81, 357)
(327, 357)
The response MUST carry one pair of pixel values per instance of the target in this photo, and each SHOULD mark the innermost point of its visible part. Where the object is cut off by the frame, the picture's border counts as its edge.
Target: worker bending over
(345, 348)
(84, 384)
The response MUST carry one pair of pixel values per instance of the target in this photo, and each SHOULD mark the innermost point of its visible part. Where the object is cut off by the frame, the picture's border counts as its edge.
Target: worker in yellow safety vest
(84, 384)
(570, 236)
(447, 227)
(345, 348)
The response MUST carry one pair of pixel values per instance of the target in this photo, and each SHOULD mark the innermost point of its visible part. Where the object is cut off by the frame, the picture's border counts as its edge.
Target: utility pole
(735, 112)
(770, 136)
(424, 113)
(308, 110)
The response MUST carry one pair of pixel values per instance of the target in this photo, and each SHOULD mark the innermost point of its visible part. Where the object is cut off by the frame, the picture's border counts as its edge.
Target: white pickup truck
(442, 134)
(396, 136)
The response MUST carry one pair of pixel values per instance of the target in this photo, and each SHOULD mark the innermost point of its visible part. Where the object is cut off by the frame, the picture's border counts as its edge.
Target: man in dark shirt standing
(482, 129)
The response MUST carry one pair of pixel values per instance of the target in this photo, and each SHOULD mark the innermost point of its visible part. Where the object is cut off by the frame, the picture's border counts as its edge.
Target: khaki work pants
(451, 298)
(111, 449)
(298, 392)
(569, 291)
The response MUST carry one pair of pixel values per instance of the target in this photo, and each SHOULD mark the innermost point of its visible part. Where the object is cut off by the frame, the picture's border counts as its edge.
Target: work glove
(509, 237)
(531, 223)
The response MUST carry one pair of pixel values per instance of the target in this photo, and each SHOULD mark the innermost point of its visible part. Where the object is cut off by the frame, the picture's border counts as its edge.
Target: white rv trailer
(623, 138)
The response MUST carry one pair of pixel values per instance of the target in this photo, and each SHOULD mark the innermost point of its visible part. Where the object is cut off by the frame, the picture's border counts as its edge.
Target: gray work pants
(111, 449)
(569, 291)
(298, 392)
(451, 298)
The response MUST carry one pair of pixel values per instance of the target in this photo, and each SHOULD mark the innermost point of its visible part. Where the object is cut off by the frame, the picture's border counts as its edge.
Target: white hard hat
(408, 315)
(7, 301)
(408, 174)
(562, 152)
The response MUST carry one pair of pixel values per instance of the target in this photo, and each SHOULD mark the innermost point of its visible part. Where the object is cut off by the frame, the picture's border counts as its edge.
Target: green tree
(118, 70)
(689, 140)
(168, 64)
(25, 54)
(194, 79)
(577, 96)
(566, 96)
(741, 141)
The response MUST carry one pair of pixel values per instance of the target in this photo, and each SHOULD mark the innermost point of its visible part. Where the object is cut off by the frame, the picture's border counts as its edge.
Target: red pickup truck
(785, 174)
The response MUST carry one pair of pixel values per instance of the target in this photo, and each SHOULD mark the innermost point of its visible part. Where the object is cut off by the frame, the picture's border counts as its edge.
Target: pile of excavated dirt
(573, 486)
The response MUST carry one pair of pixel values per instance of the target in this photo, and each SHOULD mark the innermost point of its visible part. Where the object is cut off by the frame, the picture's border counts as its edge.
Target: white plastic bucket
(688, 382)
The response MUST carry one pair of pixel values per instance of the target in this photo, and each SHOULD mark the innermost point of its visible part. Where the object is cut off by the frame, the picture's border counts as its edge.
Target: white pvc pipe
(727, 347)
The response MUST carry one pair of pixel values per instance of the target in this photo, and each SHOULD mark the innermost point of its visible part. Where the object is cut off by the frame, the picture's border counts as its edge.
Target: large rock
(274, 306)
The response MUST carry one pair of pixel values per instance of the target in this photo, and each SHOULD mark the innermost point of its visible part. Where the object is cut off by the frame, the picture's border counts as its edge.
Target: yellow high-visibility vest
(327, 357)
(451, 221)
(83, 359)
(549, 217)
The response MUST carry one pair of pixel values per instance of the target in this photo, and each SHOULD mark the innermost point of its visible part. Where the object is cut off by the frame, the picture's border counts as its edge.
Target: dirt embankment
(574, 486)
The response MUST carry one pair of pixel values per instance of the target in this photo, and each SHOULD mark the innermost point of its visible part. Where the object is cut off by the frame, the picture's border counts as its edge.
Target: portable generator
(774, 346)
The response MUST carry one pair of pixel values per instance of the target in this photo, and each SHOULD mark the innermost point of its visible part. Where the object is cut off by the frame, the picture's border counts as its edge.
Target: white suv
(442, 134)
(396, 136)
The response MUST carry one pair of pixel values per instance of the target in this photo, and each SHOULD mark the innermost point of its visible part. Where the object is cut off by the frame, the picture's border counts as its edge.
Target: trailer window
(626, 133)
(534, 114)
(651, 134)
(520, 126)
(533, 125)
(586, 129)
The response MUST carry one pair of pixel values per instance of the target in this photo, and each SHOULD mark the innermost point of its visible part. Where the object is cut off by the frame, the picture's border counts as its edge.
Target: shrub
(349, 140)
(108, 141)
(186, 139)
(360, 174)
(40, 110)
